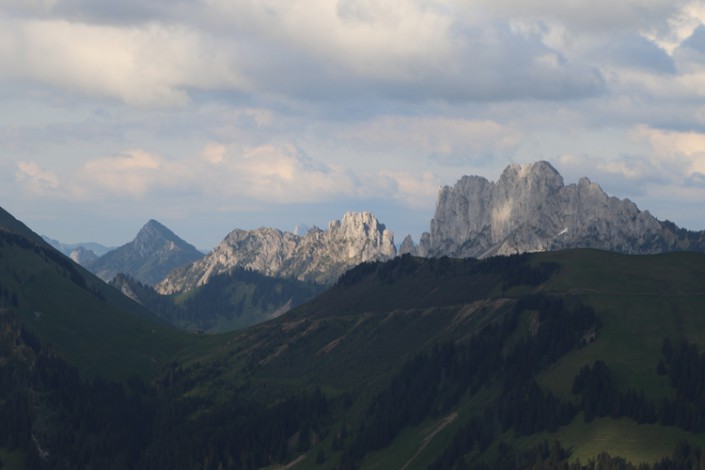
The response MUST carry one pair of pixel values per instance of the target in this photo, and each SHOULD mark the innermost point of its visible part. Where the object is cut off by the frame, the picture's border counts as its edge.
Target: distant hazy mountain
(319, 256)
(154, 252)
(530, 209)
(68, 248)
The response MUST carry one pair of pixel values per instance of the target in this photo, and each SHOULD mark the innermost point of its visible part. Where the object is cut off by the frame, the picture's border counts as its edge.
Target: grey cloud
(482, 65)
(635, 51)
(692, 49)
(696, 41)
(696, 180)
(262, 55)
(123, 12)
(592, 15)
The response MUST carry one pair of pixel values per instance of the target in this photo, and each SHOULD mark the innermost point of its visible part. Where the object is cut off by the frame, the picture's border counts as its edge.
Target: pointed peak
(154, 232)
(152, 228)
(152, 223)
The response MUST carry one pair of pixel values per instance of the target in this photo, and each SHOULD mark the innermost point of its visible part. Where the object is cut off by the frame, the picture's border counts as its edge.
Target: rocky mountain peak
(530, 208)
(155, 236)
(153, 252)
(319, 256)
(364, 236)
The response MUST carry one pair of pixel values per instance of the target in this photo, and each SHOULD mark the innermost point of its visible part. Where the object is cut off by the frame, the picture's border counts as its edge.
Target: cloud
(285, 174)
(27, 7)
(441, 140)
(403, 49)
(132, 174)
(669, 168)
(691, 52)
(36, 179)
(280, 174)
(591, 15)
(675, 151)
(629, 173)
(636, 51)
(151, 66)
(413, 190)
(274, 103)
(214, 153)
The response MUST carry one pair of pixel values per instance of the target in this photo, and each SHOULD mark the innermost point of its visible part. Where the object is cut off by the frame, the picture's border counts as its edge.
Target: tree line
(431, 383)
(58, 419)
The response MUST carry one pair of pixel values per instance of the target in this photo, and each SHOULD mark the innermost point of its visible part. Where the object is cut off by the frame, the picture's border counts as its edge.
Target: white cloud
(36, 179)
(132, 174)
(265, 174)
(408, 49)
(682, 152)
(284, 174)
(214, 153)
(143, 67)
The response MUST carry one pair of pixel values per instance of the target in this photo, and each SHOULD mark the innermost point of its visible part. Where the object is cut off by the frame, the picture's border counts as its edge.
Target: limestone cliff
(531, 209)
(319, 256)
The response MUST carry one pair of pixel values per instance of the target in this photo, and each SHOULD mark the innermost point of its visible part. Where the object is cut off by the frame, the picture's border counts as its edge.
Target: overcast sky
(210, 115)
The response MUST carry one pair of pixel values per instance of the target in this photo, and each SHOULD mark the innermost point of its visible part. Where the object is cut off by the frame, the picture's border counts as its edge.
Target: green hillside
(352, 339)
(91, 324)
(536, 361)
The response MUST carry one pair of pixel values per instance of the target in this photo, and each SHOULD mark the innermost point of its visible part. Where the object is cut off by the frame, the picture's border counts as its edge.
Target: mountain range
(528, 209)
(577, 358)
(318, 256)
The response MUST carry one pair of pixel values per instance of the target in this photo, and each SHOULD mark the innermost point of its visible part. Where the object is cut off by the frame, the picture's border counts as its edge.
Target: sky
(211, 115)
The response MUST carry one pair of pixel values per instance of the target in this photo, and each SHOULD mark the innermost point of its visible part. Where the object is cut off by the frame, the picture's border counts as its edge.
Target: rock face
(83, 256)
(530, 209)
(154, 252)
(319, 256)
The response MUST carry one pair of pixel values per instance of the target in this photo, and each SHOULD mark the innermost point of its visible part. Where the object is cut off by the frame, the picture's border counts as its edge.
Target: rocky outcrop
(154, 252)
(531, 209)
(319, 256)
(83, 256)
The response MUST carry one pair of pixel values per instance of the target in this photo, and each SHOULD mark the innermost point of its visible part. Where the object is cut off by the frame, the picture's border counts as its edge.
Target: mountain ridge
(530, 208)
(153, 252)
(319, 256)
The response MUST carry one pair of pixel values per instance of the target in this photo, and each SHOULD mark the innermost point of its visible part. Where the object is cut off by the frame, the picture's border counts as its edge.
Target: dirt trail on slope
(435, 430)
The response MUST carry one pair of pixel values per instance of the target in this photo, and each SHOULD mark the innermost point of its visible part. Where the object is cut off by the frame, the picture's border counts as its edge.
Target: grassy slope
(113, 337)
(638, 443)
(352, 338)
(640, 300)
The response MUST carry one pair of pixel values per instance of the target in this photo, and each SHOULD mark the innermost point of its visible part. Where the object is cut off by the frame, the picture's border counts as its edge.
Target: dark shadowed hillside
(572, 359)
(229, 301)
